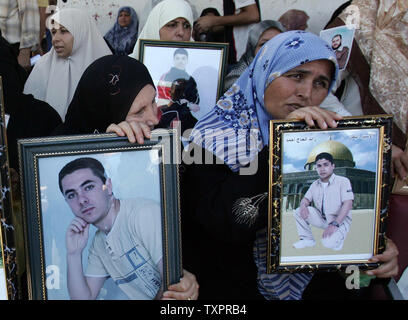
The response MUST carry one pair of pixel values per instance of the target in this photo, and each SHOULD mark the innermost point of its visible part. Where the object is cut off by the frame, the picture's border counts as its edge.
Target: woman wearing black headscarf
(107, 92)
(114, 89)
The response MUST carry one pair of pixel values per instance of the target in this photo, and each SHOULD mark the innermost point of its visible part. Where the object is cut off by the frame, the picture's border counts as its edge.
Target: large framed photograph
(9, 284)
(100, 207)
(328, 193)
(172, 63)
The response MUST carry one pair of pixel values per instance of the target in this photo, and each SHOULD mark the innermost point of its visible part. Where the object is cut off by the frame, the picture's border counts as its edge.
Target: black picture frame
(293, 144)
(207, 65)
(39, 156)
(9, 283)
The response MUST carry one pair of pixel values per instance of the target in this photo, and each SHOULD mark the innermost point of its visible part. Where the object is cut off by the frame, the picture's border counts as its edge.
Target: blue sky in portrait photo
(363, 144)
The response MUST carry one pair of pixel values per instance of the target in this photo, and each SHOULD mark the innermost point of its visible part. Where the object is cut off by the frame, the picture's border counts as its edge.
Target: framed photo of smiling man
(328, 194)
(102, 216)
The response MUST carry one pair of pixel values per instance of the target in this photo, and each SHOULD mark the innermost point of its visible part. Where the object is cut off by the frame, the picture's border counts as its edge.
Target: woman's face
(267, 35)
(62, 40)
(124, 18)
(144, 107)
(303, 86)
(176, 30)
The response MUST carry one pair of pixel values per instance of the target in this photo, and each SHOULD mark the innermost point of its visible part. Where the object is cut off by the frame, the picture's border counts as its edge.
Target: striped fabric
(20, 22)
(284, 286)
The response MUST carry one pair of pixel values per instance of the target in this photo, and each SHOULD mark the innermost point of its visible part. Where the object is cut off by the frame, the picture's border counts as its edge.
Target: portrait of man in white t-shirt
(127, 245)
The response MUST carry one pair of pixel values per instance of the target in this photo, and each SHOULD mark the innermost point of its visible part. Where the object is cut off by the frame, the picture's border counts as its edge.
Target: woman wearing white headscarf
(170, 20)
(76, 44)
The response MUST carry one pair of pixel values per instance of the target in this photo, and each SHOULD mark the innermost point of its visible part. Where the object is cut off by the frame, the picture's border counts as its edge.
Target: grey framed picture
(328, 193)
(101, 216)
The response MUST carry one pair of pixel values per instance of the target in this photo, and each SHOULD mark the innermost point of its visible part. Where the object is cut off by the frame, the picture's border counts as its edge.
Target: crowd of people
(92, 83)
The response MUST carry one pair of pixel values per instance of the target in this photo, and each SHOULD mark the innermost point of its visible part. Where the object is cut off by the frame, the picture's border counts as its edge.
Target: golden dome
(338, 150)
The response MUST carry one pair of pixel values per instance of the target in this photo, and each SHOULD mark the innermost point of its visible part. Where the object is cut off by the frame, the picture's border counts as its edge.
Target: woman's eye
(295, 76)
(187, 26)
(140, 112)
(322, 84)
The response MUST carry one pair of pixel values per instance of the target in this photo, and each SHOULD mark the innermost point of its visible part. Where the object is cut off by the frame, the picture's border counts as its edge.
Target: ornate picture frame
(361, 156)
(143, 178)
(9, 284)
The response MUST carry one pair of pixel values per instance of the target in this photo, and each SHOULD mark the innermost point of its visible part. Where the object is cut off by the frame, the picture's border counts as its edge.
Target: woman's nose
(304, 90)
(180, 30)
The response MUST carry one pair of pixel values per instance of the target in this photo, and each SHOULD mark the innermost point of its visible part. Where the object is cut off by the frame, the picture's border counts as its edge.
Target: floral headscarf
(239, 115)
(123, 39)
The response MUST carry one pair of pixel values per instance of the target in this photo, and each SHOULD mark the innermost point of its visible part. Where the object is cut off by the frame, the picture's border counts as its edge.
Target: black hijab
(29, 117)
(104, 94)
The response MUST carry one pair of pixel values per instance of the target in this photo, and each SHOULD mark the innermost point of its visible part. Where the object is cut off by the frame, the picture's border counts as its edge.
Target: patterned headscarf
(239, 118)
(123, 39)
(254, 34)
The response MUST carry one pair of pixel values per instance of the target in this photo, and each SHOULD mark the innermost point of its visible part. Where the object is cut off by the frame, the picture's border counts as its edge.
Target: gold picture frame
(361, 152)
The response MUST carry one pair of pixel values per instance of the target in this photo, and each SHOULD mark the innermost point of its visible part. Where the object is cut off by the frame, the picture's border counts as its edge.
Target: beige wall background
(104, 11)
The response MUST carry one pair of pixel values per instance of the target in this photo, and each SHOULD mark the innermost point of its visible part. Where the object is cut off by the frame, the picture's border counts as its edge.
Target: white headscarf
(161, 14)
(54, 79)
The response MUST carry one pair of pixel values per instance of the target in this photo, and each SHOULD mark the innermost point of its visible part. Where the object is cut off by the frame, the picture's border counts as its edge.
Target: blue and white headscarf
(239, 119)
(123, 39)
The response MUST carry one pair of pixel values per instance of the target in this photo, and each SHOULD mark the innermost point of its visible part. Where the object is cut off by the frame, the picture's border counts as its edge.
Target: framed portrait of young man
(328, 193)
(196, 67)
(101, 213)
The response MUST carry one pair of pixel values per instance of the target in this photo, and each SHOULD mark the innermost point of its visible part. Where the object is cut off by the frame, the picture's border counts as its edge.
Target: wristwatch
(334, 223)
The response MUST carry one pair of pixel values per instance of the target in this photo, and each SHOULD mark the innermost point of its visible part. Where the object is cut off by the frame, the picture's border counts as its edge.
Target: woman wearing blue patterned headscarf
(241, 111)
(288, 79)
(123, 35)
(290, 76)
